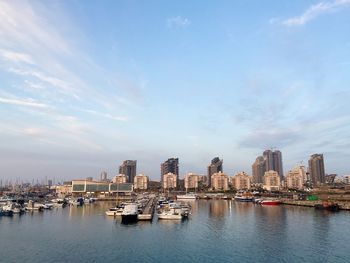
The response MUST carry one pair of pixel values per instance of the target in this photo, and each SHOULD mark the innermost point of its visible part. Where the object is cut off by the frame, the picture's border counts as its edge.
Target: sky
(85, 85)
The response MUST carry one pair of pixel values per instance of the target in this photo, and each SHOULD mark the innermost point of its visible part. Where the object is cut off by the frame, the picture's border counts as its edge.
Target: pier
(342, 204)
(148, 211)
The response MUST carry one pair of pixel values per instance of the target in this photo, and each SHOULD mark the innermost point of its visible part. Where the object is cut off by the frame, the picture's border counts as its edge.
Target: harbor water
(217, 231)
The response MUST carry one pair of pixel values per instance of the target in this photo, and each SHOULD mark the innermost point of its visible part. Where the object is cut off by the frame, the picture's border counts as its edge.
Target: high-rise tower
(273, 161)
(128, 168)
(316, 169)
(214, 167)
(259, 169)
(170, 166)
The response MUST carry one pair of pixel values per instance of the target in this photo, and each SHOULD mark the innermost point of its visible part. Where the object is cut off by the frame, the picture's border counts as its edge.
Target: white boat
(114, 211)
(186, 197)
(32, 206)
(170, 214)
(129, 213)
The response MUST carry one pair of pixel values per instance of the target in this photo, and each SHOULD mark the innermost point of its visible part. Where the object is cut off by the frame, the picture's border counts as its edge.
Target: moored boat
(114, 211)
(330, 206)
(270, 202)
(244, 197)
(129, 213)
(187, 197)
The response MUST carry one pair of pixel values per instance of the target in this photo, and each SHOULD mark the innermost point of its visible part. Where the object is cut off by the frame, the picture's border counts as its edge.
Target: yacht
(170, 214)
(129, 213)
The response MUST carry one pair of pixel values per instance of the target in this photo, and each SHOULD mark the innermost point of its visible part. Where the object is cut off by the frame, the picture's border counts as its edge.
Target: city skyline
(85, 85)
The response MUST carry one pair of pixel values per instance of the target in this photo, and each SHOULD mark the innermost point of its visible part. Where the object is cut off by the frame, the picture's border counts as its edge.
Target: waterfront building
(258, 169)
(273, 161)
(296, 178)
(219, 181)
(119, 179)
(141, 182)
(169, 181)
(214, 167)
(241, 181)
(128, 167)
(191, 181)
(100, 189)
(64, 190)
(272, 181)
(170, 166)
(316, 169)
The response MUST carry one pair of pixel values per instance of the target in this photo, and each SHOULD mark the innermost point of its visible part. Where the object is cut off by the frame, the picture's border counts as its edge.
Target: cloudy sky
(85, 85)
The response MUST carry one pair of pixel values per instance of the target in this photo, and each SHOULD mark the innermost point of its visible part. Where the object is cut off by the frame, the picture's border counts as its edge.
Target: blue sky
(88, 84)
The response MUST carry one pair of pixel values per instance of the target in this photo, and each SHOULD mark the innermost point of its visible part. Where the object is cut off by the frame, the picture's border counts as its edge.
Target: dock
(343, 205)
(148, 211)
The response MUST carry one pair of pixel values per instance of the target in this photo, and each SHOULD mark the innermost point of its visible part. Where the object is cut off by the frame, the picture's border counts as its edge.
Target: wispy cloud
(178, 22)
(16, 56)
(106, 115)
(24, 102)
(316, 10)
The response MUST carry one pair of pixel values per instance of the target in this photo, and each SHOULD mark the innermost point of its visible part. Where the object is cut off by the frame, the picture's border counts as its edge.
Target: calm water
(218, 231)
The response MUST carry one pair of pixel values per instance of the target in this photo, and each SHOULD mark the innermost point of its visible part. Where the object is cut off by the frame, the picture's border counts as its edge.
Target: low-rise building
(64, 190)
(219, 181)
(191, 181)
(141, 182)
(119, 179)
(272, 181)
(100, 189)
(169, 181)
(241, 181)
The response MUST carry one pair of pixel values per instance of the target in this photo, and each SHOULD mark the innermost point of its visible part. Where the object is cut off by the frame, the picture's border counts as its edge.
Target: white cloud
(16, 56)
(178, 21)
(315, 10)
(24, 102)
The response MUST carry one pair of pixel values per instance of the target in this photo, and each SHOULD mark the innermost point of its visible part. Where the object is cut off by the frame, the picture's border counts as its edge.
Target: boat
(129, 213)
(170, 214)
(114, 211)
(243, 197)
(270, 202)
(5, 212)
(32, 206)
(186, 197)
(330, 206)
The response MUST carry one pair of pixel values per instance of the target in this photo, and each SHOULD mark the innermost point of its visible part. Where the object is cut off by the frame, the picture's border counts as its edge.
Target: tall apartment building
(258, 170)
(128, 167)
(273, 161)
(170, 166)
(316, 169)
(214, 167)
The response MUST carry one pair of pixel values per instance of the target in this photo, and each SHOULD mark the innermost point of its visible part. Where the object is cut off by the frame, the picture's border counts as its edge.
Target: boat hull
(129, 218)
(270, 202)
